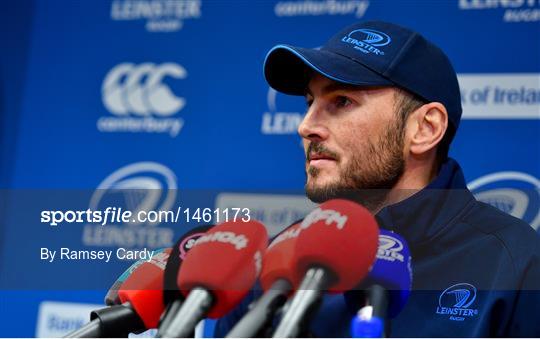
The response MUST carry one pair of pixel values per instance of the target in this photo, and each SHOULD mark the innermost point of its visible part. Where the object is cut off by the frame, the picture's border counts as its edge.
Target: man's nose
(313, 125)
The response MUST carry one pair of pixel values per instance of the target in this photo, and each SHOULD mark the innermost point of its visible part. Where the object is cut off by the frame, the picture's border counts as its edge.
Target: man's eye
(309, 102)
(342, 101)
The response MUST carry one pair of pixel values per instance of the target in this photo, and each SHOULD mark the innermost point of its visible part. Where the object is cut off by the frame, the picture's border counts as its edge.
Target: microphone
(277, 281)
(335, 250)
(388, 287)
(140, 293)
(111, 298)
(217, 273)
(172, 297)
(179, 251)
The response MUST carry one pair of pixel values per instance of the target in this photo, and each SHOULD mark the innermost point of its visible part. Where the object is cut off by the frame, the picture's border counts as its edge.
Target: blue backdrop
(170, 96)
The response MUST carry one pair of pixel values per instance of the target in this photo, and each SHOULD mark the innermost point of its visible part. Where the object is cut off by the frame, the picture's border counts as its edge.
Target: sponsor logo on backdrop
(355, 8)
(141, 186)
(457, 302)
(275, 211)
(140, 101)
(515, 193)
(56, 319)
(279, 122)
(512, 10)
(367, 40)
(500, 96)
(159, 15)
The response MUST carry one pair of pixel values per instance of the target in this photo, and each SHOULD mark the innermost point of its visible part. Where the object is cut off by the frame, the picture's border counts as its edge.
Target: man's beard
(369, 176)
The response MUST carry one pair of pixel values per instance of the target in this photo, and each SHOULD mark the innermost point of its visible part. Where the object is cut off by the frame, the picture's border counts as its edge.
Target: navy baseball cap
(373, 53)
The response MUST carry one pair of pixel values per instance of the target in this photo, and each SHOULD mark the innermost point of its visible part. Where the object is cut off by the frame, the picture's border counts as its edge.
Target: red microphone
(217, 273)
(172, 297)
(141, 293)
(334, 251)
(277, 279)
(143, 289)
(278, 259)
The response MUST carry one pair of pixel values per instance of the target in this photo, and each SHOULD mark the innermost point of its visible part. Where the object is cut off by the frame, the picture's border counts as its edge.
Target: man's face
(353, 139)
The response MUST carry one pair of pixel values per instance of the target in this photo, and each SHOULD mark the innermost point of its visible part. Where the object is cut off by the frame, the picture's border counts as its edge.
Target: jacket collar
(423, 215)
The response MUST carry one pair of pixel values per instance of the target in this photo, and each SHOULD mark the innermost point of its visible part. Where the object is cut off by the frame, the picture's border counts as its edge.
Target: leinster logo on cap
(367, 40)
(456, 302)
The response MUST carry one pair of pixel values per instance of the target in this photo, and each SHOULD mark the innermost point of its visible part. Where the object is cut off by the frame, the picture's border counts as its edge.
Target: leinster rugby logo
(367, 40)
(389, 248)
(457, 301)
(515, 193)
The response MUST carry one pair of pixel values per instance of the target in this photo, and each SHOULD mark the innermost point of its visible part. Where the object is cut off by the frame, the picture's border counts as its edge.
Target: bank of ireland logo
(141, 186)
(390, 248)
(457, 302)
(515, 193)
(140, 100)
(367, 40)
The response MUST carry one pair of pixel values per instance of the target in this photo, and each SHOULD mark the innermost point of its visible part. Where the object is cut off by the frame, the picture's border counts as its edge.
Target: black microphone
(116, 321)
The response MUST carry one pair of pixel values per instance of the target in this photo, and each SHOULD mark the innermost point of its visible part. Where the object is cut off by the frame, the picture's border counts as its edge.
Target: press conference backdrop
(170, 96)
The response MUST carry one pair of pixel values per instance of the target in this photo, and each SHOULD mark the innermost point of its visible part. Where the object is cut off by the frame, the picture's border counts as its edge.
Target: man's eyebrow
(333, 87)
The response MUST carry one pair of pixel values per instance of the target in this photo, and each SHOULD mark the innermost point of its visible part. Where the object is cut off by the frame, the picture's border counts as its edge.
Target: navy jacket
(476, 270)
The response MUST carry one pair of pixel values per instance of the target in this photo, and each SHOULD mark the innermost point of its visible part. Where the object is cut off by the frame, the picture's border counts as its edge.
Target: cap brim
(287, 69)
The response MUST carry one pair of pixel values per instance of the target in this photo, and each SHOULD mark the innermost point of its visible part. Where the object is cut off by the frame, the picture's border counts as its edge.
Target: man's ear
(429, 123)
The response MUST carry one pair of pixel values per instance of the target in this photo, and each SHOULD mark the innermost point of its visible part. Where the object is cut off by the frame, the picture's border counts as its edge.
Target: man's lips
(320, 157)
(317, 159)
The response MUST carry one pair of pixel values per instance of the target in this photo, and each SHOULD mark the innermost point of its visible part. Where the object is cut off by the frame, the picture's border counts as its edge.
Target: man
(383, 106)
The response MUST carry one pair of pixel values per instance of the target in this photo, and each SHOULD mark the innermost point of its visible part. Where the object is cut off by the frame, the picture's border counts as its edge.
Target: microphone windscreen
(341, 236)
(143, 289)
(179, 251)
(226, 261)
(278, 259)
(111, 298)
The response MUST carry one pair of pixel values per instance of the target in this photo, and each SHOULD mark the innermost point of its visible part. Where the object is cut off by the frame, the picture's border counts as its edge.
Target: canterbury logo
(138, 89)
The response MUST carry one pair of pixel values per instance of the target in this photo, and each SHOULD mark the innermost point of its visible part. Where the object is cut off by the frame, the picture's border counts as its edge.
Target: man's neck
(417, 175)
